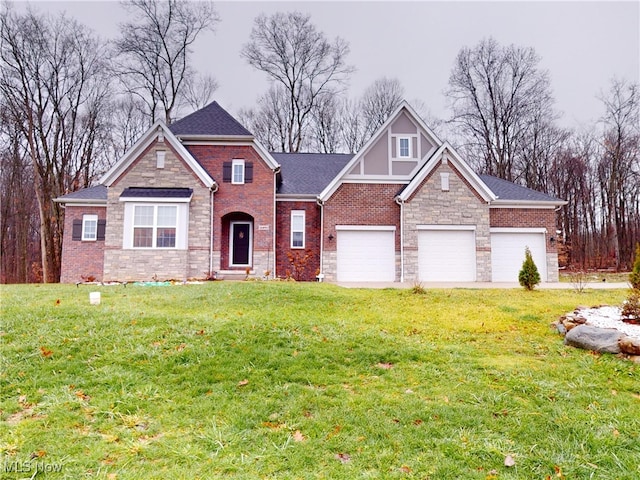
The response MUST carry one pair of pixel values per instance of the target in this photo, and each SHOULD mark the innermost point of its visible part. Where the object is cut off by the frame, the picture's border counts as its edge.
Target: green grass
(263, 380)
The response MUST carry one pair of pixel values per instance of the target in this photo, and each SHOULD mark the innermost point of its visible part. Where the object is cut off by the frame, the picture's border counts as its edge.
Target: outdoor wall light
(552, 240)
(330, 236)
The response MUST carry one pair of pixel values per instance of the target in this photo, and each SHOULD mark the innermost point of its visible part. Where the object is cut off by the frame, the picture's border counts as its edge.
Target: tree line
(72, 104)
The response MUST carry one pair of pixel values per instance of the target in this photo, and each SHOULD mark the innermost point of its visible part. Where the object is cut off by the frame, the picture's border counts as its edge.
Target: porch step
(231, 275)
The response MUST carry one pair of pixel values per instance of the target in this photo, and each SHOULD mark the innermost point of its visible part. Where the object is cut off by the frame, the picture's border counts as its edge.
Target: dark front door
(240, 244)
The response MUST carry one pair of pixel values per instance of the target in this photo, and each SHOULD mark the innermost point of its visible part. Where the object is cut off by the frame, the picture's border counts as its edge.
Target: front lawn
(285, 380)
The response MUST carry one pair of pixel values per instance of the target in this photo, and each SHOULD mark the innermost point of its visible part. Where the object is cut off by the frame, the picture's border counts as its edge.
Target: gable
(385, 159)
(157, 139)
(446, 155)
(394, 154)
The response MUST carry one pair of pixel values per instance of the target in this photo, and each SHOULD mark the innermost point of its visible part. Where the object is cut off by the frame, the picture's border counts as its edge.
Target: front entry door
(240, 244)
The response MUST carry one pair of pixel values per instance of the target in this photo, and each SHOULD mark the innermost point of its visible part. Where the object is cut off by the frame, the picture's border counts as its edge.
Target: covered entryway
(366, 253)
(240, 246)
(446, 253)
(237, 241)
(507, 252)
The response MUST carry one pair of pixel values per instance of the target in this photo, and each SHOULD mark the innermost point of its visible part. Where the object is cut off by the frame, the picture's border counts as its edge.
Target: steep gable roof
(308, 173)
(447, 152)
(210, 121)
(404, 106)
(158, 132)
(509, 192)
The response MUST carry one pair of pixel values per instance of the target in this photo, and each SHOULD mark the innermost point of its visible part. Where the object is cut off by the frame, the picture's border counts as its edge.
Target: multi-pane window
(297, 229)
(154, 226)
(404, 147)
(237, 171)
(89, 227)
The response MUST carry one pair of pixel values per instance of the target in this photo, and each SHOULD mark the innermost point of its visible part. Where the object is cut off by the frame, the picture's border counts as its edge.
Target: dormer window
(404, 147)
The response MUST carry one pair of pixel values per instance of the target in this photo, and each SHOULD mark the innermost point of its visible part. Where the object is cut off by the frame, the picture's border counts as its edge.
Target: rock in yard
(605, 340)
(629, 345)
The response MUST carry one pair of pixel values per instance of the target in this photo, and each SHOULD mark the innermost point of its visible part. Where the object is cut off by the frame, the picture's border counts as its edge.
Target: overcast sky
(582, 44)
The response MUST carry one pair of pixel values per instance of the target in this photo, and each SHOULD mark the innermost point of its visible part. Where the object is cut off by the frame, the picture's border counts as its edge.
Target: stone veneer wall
(144, 264)
(458, 206)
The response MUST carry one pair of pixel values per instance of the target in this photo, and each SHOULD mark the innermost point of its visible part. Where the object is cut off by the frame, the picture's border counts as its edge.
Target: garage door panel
(447, 256)
(507, 254)
(366, 256)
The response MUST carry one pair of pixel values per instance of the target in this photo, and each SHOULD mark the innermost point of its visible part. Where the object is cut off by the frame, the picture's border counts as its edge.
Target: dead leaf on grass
(46, 353)
(38, 454)
(385, 365)
(343, 457)
(405, 469)
(298, 436)
(243, 383)
(509, 461)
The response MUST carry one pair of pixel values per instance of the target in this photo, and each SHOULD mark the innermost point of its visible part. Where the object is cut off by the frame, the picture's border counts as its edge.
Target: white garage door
(366, 255)
(447, 255)
(507, 254)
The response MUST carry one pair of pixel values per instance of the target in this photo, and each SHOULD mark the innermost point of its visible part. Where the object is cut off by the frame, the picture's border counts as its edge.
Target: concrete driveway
(485, 285)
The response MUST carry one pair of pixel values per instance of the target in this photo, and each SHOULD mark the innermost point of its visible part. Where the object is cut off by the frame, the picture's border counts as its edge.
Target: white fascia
(337, 181)
(159, 132)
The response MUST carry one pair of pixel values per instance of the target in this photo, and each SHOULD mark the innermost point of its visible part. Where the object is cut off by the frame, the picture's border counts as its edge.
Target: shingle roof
(506, 190)
(96, 193)
(142, 192)
(210, 120)
(308, 173)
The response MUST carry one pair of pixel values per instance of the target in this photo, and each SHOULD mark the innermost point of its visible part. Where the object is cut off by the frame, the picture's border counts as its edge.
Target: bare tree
(325, 132)
(299, 59)
(379, 101)
(199, 90)
(269, 121)
(54, 86)
(619, 169)
(495, 93)
(154, 52)
(362, 118)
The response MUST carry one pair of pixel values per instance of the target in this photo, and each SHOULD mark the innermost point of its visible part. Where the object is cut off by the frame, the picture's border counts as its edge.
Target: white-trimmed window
(237, 172)
(89, 227)
(404, 147)
(156, 225)
(297, 228)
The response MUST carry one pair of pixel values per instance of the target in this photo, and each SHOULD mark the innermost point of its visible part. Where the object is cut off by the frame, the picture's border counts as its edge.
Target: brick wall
(532, 218)
(255, 199)
(358, 204)
(140, 264)
(460, 205)
(527, 218)
(312, 239)
(81, 258)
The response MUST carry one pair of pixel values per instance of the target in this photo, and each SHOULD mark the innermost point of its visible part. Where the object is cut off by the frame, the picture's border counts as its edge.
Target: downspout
(275, 220)
(212, 191)
(321, 204)
(400, 202)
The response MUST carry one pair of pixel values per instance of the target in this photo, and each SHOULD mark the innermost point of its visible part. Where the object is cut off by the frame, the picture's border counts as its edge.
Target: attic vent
(444, 181)
(160, 158)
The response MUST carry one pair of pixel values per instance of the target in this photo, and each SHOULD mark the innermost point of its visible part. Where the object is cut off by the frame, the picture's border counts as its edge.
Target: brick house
(203, 196)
